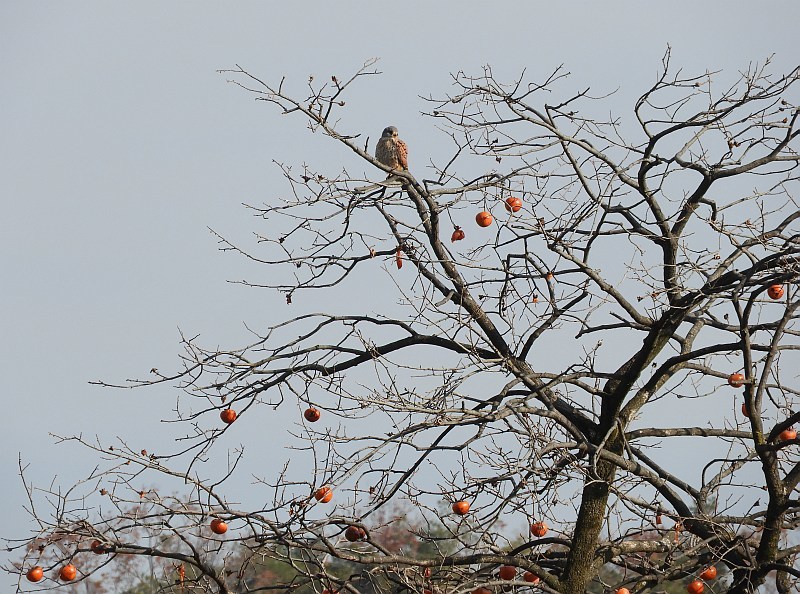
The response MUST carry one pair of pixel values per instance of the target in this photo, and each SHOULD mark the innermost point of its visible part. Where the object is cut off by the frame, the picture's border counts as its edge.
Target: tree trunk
(579, 569)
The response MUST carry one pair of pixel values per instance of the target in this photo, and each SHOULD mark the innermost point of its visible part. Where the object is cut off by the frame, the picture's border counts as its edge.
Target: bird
(391, 151)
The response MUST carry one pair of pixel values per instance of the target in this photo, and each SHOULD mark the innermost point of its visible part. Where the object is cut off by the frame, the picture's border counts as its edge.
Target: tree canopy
(542, 366)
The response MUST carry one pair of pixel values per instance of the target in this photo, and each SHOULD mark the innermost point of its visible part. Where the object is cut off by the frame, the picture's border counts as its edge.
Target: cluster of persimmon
(68, 572)
(696, 586)
(737, 380)
(484, 218)
(506, 572)
(311, 414)
(509, 572)
(788, 434)
(324, 494)
(538, 529)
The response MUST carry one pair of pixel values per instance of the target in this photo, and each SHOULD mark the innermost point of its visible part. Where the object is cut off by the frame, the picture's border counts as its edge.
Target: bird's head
(389, 132)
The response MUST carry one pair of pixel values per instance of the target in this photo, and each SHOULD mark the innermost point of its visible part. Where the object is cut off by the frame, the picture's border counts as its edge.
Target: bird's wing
(402, 154)
(382, 152)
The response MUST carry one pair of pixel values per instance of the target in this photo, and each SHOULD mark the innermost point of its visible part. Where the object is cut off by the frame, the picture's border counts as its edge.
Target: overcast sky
(120, 144)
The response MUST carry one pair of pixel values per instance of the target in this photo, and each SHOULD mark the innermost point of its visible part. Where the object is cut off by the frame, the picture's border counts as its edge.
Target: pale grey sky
(120, 144)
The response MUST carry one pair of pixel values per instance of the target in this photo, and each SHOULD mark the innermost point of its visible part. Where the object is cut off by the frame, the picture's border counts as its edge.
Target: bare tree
(631, 267)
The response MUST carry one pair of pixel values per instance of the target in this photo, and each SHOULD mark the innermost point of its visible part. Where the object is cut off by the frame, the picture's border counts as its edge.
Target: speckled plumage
(391, 151)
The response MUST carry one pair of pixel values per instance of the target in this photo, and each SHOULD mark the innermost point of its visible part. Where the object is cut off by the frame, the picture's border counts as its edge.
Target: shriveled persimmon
(354, 533)
(458, 234)
(507, 572)
(312, 414)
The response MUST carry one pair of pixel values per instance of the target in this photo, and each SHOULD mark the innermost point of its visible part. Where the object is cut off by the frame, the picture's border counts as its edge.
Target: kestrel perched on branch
(391, 151)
